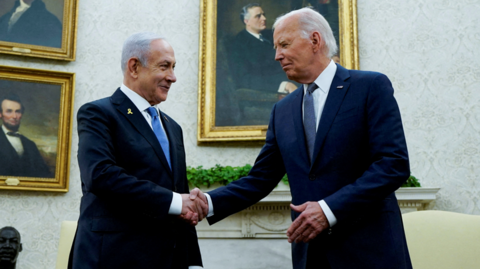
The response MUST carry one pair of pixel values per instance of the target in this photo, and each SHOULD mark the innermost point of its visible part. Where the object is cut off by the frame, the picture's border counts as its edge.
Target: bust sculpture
(10, 246)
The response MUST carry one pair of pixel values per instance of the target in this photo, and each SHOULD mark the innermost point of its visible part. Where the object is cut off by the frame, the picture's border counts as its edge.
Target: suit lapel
(7, 150)
(337, 92)
(126, 107)
(298, 123)
(172, 140)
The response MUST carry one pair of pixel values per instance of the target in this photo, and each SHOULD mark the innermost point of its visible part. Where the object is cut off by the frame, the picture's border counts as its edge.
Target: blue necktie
(160, 133)
(309, 119)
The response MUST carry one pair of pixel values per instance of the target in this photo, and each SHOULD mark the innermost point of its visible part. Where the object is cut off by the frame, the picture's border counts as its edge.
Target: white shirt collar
(254, 34)
(22, 7)
(136, 99)
(324, 80)
(5, 130)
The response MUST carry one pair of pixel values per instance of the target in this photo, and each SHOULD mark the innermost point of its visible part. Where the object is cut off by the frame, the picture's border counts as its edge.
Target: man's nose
(171, 77)
(278, 55)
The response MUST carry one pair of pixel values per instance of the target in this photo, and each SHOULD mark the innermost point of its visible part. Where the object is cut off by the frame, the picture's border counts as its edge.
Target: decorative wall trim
(270, 218)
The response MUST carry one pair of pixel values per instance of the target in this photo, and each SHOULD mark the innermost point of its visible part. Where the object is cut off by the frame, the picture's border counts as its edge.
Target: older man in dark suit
(252, 55)
(132, 166)
(29, 22)
(340, 140)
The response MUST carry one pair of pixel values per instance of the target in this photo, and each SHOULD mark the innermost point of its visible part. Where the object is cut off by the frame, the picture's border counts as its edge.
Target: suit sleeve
(387, 150)
(102, 176)
(264, 176)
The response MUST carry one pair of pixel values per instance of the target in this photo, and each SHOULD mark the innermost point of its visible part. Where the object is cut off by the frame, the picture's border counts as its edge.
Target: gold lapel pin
(129, 111)
(165, 118)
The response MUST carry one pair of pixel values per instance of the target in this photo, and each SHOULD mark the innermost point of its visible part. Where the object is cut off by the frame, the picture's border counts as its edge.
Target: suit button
(311, 177)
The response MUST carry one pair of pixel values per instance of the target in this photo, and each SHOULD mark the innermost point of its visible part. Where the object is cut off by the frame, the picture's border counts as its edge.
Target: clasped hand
(310, 223)
(194, 206)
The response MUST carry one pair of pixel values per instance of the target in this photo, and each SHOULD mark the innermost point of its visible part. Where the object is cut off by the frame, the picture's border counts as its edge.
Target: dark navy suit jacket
(127, 191)
(360, 159)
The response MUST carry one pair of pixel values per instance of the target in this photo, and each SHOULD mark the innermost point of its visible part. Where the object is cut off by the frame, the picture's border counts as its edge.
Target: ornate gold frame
(69, 39)
(66, 81)
(207, 131)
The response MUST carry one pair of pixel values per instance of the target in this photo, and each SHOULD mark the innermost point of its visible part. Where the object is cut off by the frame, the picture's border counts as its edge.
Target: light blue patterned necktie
(160, 133)
(309, 119)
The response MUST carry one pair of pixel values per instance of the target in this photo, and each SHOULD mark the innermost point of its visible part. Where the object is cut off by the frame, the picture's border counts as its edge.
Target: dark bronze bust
(10, 246)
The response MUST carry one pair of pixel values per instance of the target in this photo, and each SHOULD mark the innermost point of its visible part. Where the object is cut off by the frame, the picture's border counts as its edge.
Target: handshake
(194, 206)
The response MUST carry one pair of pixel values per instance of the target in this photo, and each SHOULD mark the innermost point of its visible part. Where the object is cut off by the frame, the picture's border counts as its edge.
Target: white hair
(311, 21)
(138, 46)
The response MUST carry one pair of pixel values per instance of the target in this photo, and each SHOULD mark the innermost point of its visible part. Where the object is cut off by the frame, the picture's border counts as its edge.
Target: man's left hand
(310, 223)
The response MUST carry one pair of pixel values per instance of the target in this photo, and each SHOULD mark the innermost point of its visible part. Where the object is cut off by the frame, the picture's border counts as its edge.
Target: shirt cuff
(195, 267)
(176, 205)
(210, 205)
(332, 220)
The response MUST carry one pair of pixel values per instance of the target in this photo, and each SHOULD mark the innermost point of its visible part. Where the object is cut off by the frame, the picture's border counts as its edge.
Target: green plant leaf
(223, 175)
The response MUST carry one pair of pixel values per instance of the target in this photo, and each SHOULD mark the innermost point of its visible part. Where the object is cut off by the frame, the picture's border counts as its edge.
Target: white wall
(429, 49)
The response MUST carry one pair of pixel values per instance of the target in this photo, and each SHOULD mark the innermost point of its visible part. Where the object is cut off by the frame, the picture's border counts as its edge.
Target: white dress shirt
(142, 105)
(16, 15)
(323, 81)
(14, 141)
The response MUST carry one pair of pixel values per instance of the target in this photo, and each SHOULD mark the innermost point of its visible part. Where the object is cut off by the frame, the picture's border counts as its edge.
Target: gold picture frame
(215, 16)
(48, 29)
(40, 104)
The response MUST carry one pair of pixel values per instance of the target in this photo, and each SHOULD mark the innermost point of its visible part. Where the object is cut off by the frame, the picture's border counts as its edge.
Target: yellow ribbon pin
(129, 111)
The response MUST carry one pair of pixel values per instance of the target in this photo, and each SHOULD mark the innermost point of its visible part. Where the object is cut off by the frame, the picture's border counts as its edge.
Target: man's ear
(20, 248)
(132, 67)
(317, 41)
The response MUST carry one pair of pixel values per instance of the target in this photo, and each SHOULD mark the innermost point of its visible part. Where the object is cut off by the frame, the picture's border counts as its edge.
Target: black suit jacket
(253, 64)
(360, 159)
(127, 191)
(37, 26)
(31, 164)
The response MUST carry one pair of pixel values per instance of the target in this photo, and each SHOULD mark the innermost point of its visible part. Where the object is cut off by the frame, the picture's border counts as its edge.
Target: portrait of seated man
(30, 22)
(259, 80)
(10, 247)
(20, 156)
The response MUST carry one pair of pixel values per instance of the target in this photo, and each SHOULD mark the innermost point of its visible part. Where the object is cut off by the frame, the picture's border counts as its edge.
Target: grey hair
(138, 45)
(244, 14)
(311, 21)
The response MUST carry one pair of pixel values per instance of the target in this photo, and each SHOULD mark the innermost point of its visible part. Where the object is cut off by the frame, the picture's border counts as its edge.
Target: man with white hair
(340, 140)
(132, 166)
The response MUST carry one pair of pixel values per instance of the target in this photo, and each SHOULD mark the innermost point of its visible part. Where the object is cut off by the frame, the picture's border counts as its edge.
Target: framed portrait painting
(36, 129)
(39, 28)
(239, 79)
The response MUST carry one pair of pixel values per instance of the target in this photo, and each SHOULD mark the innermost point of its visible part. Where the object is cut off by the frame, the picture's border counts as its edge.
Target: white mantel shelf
(425, 195)
(270, 218)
